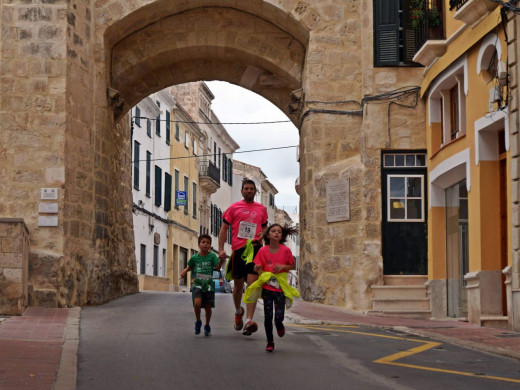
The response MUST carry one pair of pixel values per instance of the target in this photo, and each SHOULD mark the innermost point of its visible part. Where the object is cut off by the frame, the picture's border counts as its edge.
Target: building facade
(469, 164)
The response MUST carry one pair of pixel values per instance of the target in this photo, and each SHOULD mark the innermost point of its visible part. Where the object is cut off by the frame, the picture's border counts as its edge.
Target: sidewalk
(499, 341)
(39, 349)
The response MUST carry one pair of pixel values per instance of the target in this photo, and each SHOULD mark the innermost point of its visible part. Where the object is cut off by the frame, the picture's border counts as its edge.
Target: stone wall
(59, 58)
(14, 262)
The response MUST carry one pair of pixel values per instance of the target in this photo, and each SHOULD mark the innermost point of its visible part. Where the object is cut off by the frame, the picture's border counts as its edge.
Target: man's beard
(249, 197)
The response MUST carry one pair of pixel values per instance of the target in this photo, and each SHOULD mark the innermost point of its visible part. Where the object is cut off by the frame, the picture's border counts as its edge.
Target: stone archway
(73, 70)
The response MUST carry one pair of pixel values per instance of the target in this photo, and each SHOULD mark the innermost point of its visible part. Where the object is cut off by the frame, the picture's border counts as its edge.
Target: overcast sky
(236, 104)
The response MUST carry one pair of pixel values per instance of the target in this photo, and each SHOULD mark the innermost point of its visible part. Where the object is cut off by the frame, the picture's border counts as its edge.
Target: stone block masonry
(14, 263)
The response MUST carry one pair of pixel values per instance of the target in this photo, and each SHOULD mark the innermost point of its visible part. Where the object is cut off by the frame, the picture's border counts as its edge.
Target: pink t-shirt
(246, 220)
(268, 260)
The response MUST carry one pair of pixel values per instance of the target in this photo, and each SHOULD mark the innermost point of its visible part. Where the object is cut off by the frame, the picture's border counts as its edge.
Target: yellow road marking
(392, 359)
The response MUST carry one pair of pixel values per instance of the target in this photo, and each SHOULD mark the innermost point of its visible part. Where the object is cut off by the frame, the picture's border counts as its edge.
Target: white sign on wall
(48, 208)
(48, 220)
(338, 200)
(49, 194)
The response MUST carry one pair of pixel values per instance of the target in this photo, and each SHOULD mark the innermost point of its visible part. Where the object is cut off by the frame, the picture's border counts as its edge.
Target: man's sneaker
(207, 330)
(281, 331)
(238, 320)
(270, 346)
(250, 328)
(198, 324)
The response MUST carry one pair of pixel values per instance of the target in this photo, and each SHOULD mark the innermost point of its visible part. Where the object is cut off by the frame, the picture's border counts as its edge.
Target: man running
(248, 221)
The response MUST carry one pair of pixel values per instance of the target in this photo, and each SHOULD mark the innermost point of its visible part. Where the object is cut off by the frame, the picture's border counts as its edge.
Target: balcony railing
(429, 24)
(208, 169)
(457, 4)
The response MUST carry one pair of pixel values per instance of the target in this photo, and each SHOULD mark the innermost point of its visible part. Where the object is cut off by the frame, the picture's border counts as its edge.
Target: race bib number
(247, 230)
(273, 282)
(203, 277)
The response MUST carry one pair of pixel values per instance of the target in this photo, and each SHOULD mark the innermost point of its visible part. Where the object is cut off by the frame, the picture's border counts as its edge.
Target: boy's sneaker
(207, 330)
(250, 328)
(238, 320)
(281, 331)
(270, 346)
(198, 324)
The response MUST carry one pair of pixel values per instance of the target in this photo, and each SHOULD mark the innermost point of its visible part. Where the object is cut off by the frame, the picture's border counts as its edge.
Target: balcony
(427, 18)
(469, 11)
(209, 177)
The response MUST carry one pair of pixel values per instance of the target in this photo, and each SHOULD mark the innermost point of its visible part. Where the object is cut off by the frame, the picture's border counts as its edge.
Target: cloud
(236, 104)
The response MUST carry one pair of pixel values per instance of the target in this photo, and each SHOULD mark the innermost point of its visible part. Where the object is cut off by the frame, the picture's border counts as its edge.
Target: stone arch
(255, 51)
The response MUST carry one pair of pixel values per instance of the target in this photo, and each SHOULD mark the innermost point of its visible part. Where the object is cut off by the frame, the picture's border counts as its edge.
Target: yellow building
(185, 211)
(469, 213)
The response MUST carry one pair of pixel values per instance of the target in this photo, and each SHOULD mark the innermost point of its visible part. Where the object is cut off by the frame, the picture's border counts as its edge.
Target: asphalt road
(146, 341)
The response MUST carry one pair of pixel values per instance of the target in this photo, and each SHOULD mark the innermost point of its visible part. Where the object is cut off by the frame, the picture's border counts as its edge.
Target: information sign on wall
(338, 200)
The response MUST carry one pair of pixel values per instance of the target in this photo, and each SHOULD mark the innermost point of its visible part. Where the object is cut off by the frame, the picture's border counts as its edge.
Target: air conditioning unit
(495, 96)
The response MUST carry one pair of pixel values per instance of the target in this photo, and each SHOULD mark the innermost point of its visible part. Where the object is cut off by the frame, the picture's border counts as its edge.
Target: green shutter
(167, 192)
(158, 185)
(386, 32)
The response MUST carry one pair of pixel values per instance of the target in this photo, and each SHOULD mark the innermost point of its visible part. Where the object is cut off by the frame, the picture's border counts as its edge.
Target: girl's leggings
(278, 299)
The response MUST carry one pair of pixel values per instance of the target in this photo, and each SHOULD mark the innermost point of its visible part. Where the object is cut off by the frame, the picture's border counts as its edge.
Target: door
(404, 220)
(457, 255)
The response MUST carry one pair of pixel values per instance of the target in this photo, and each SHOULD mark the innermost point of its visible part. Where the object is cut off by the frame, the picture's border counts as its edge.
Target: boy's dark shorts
(239, 267)
(208, 297)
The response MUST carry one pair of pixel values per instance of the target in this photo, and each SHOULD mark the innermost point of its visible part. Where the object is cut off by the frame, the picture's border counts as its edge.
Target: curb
(67, 371)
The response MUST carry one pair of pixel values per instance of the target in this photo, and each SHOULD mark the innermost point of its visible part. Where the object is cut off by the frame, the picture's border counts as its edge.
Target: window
(149, 128)
(187, 140)
(271, 200)
(219, 157)
(158, 185)
(230, 172)
(447, 105)
(405, 198)
(194, 145)
(176, 187)
(224, 168)
(194, 197)
(148, 173)
(212, 218)
(136, 164)
(186, 184)
(142, 260)
(158, 125)
(167, 191)
(177, 132)
(137, 116)
(155, 259)
(404, 160)
(395, 40)
(214, 153)
(168, 127)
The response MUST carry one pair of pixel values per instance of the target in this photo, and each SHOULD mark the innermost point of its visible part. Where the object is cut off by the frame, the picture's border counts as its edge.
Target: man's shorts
(239, 268)
(208, 297)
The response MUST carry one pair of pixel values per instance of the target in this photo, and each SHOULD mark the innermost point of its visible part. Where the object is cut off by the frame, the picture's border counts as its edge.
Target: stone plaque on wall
(338, 200)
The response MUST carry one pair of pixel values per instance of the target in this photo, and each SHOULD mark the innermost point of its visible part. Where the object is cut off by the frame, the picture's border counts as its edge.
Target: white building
(151, 152)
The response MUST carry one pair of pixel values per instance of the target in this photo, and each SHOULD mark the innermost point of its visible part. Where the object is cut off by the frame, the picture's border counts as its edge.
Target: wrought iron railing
(431, 23)
(208, 169)
(457, 4)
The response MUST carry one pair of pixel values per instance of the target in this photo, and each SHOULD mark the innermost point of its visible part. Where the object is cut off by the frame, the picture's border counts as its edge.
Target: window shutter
(136, 164)
(230, 172)
(158, 125)
(148, 172)
(386, 32)
(167, 192)
(168, 127)
(158, 185)
(149, 127)
(137, 116)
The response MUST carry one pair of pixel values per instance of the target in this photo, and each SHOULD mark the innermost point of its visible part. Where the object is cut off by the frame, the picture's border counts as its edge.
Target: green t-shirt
(203, 267)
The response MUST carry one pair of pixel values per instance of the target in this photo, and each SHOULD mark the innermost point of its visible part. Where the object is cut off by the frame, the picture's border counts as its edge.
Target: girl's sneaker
(280, 331)
(270, 346)
(198, 324)
(207, 330)
(250, 328)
